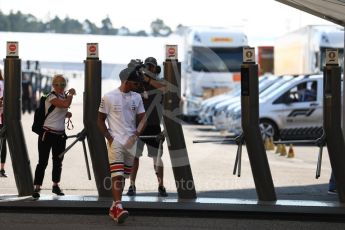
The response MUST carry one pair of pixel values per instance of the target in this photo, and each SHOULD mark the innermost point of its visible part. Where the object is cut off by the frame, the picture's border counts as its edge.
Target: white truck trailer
(303, 51)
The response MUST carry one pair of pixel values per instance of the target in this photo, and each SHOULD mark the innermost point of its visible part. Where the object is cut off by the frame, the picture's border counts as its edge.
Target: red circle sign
(171, 51)
(92, 49)
(12, 47)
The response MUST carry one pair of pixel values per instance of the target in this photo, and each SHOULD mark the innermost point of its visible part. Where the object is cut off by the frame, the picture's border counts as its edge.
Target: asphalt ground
(211, 163)
(12, 221)
(212, 166)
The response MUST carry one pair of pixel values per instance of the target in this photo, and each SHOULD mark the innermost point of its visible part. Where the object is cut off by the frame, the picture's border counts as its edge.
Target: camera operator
(152, 94)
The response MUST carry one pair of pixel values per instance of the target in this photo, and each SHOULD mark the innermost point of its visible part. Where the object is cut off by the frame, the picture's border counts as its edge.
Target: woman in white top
(54, 137)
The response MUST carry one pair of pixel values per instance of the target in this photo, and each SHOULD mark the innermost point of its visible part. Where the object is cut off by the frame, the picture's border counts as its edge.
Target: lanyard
(69, 123)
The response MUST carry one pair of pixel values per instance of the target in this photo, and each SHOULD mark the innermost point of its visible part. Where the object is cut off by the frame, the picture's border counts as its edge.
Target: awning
(331, 10)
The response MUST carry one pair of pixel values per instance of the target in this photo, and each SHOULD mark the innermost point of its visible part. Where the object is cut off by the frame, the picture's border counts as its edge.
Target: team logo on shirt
(133, 107)
(117, 108)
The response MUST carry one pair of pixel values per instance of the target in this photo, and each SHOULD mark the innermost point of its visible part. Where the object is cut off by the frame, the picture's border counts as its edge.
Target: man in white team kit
(122, 109)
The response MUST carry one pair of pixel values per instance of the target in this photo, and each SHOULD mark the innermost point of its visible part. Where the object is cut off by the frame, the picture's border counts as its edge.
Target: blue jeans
(331, 185)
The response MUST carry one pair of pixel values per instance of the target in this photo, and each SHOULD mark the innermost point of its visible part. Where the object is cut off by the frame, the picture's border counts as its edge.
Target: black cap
(151, 60)
(130, 74)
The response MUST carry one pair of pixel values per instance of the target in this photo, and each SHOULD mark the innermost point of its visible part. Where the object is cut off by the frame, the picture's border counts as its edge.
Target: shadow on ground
(306, 192)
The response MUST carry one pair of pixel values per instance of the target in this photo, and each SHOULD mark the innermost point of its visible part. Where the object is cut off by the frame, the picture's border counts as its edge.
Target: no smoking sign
(92, 50)
(12, 49)
(171, 52)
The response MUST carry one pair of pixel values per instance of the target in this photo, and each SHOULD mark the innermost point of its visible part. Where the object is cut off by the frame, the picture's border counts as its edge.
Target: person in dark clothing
(152, 95)
(332, 187)
(26, 94)
(3, 150)
(3, 139)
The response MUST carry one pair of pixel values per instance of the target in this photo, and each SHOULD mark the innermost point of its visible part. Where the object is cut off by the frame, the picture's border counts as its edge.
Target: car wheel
(268, 129)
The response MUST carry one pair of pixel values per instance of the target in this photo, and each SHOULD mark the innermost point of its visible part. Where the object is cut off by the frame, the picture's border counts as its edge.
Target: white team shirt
(56, 119)
(121, 110)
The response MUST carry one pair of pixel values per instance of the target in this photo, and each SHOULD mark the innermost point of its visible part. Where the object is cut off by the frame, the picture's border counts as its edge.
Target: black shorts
(151, 144)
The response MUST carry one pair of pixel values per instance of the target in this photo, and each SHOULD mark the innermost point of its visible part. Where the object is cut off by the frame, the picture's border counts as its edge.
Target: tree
(55, 25)
(141, 33)
(5, 24)
(160, 29)
(107, 27)
(90, 28)
(124, 31)
(33, 25)
(19, 22)
(72, 26)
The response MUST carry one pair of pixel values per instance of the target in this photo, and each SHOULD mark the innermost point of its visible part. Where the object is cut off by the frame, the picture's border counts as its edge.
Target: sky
(261, 18)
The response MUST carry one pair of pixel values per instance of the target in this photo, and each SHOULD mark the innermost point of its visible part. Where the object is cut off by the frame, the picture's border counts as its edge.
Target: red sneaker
(118, 214)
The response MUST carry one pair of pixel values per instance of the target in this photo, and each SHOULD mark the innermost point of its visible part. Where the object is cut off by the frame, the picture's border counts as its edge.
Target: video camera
(139, 66)
(136, 63)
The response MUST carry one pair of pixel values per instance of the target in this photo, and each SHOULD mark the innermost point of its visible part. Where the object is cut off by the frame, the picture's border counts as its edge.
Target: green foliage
(107, 27)
(159, 29)
(19, 22)
(5, 24)
(90, 28)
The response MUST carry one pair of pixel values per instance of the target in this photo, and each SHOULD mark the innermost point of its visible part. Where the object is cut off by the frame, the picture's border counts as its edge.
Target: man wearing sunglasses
(53, 136)
(123, 110)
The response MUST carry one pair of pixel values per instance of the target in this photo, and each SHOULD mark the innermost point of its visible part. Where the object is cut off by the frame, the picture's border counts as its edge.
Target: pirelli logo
(301, 112)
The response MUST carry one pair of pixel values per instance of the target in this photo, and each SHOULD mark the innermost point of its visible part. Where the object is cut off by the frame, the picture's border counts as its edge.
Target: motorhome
(304, 51)
(212, 61)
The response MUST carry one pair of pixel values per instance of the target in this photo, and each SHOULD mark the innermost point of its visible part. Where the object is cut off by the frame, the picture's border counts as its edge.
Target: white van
(292, 111)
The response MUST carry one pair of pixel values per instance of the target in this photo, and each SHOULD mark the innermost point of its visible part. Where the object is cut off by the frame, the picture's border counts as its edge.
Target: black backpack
(40, 116)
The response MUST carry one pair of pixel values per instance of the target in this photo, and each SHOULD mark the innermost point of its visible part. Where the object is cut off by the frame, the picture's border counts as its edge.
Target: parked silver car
(291, 111)
(265, 87)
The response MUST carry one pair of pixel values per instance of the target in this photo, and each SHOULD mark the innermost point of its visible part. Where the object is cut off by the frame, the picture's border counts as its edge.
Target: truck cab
(213, 57)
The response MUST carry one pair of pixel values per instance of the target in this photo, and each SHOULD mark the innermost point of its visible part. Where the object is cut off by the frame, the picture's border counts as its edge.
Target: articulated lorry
(304, 51)
(212, 62)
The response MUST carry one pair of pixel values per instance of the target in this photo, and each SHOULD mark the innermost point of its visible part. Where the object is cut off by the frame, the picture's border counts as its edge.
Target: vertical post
(332, 120)
(174, 133)
(250, 125)
(343, 107)
(96, 142)
(12, 121)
